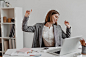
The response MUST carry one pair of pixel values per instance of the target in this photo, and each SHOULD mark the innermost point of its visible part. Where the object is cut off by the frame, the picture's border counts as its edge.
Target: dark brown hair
(49, 16)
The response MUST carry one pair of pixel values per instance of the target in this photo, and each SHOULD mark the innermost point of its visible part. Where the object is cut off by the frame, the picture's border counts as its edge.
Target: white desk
(44, 54)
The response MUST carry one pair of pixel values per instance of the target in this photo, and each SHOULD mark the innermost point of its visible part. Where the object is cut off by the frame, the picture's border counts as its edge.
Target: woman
(49, 33)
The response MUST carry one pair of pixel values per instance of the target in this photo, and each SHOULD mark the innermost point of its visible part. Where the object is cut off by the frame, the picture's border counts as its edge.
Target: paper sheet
(9, 51)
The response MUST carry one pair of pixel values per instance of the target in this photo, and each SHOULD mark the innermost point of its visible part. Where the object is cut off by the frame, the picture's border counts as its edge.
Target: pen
(36, 55)
(32, 55)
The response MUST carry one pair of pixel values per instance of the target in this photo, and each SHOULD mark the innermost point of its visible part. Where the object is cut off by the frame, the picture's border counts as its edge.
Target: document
(22, 52)
(10, 51)
(25, 50)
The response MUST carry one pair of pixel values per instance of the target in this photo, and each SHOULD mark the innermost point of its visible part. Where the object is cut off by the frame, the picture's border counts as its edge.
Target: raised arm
(67, 34)
(27, 28)
(68, 30)
(24, 23)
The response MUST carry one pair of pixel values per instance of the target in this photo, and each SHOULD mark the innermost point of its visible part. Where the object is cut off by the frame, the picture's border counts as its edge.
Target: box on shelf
(4, 19)
(9, 20)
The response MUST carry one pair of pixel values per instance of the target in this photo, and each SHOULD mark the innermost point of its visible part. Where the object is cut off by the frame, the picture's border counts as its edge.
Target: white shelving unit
(15, 13)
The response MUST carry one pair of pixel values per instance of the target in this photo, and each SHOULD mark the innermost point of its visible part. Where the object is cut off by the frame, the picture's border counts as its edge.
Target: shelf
(16, 14)
(12, 38)
(7, 38)
(0, 37)
(8, 23)
(0, 51)
(5, 8)
(3, 51)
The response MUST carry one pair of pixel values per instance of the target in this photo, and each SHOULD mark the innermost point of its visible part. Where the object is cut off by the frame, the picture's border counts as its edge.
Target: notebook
(24, 50)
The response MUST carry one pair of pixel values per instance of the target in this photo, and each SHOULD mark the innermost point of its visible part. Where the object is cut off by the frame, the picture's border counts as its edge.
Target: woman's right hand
(28, 13)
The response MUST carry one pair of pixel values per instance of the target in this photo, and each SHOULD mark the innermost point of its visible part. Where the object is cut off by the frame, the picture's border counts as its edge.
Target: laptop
(69, 45)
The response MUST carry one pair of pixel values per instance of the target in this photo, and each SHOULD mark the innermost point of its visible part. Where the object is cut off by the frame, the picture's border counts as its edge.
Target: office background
(73, 11)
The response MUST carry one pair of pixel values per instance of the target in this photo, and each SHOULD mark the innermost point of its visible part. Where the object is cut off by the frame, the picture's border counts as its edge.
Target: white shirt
(48, 36)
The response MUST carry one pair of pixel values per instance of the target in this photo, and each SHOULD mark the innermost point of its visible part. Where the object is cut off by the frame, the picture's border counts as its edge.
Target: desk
(44, 54)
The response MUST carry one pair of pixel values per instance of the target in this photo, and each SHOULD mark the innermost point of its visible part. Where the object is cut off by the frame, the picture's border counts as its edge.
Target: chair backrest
(28, 39)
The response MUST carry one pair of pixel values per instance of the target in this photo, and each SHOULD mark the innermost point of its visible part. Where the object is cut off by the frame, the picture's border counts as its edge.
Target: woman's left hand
(83, 42)
(67, 23)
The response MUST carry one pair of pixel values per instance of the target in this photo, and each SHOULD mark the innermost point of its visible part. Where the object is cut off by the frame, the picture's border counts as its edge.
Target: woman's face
(55, 18)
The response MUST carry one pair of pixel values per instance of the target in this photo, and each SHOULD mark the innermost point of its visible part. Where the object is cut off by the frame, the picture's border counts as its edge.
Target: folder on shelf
(10, 43)
(6, 45)
(0, 31)
(13, 43)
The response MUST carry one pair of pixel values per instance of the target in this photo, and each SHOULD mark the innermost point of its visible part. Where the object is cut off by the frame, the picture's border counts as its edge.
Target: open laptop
(70, 45)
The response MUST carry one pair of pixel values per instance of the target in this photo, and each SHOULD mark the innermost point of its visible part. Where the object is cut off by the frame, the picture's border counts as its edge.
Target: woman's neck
(49, 24)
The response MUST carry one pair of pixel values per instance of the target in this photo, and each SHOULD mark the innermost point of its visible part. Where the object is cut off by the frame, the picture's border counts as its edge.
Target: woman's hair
(49, 16)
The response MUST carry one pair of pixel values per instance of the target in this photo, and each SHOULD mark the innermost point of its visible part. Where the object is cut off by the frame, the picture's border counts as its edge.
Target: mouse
(46, 48)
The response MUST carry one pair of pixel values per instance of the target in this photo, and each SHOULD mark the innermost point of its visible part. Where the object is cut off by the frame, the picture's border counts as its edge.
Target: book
(6, 45)
(13, 43)
(24, 50)
(10, 44)
(0, 30)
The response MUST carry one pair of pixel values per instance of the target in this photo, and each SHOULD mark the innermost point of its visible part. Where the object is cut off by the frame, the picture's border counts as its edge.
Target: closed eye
(56, 16)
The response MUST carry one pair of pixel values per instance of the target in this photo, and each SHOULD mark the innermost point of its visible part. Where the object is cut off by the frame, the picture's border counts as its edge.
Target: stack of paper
(22, 52)
(10, 51)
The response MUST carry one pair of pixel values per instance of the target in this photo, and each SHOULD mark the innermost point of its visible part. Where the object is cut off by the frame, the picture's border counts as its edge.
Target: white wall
(73, 11)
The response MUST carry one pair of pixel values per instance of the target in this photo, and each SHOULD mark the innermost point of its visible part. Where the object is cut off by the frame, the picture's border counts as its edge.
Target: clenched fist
(67, 23)
(83, 42)
(28, 13)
